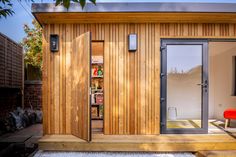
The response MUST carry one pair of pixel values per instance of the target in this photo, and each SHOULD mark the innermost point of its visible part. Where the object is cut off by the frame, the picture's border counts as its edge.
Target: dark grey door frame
(204, 105)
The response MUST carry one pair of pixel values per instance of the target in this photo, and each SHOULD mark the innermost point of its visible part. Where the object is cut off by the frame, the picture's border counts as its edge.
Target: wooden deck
(157, 143)
(231, 153)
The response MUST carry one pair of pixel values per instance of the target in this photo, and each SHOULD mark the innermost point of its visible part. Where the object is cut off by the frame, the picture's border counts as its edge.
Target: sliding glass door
(184, 86)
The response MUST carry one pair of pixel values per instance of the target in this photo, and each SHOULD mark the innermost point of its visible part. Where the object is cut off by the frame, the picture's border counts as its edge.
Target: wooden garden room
(138, 77)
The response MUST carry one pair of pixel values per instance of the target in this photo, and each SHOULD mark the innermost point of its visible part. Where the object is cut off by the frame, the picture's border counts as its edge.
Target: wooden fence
(11, 63)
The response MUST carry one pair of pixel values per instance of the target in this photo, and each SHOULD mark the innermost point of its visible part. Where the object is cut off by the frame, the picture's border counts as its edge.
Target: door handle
(204, 85)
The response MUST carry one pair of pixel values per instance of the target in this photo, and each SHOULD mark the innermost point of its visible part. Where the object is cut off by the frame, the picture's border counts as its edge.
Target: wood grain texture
(128, 79)
(80, 65)
(214, 153)
(141, 143)
(131, 79)
(11, 64)
(198, 30)
(52, 18)
(126, 110)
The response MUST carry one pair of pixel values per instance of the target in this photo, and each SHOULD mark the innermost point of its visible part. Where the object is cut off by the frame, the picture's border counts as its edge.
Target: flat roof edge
(136, 7)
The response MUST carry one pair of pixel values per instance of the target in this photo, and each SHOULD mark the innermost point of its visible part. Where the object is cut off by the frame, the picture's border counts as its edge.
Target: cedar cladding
(131, 80)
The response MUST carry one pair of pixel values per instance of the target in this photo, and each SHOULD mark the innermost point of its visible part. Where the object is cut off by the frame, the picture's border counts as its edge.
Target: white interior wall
(221, 78)
(184, 94)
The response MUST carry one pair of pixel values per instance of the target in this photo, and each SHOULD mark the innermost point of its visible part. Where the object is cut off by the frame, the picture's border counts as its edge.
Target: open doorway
(183, 86)
(222, 94)
(97, 86)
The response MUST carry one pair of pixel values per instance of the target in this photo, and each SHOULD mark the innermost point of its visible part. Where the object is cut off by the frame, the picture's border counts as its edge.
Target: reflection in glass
(184, 94)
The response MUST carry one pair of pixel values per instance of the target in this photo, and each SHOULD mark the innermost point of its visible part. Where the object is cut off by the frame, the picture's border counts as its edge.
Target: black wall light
(54, 43)
(132, 40)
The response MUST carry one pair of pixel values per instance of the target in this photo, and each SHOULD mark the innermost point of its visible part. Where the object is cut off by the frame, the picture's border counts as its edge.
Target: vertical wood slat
(117, 79)
(142, 79)
(45, 80)
(157, 80)
(51, 86)
(138, 117)
(198, 30)
(136, 85)
(146, 78)
(113, 78)
(56, 82)
(130, 92)
(125, 131)
(68, 40)
(132, 84)
(110, 112)
(61, 64)
(80, 86)
(48, 76)
(107, 79)
(121, 80)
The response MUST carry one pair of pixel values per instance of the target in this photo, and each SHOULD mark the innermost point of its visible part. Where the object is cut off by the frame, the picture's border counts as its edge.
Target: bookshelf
(97, 92)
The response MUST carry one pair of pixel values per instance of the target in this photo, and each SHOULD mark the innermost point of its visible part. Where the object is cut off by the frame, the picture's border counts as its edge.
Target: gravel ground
(109, 154)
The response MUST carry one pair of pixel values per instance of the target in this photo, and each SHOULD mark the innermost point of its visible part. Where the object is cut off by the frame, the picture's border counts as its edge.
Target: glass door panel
(184, 73)
(184, 87)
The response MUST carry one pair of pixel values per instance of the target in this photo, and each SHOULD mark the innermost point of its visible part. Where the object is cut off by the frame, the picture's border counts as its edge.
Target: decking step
(231, 153)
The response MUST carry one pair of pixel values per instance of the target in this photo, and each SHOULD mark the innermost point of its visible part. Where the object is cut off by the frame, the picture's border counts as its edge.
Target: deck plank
(161, 143)
(229, 153)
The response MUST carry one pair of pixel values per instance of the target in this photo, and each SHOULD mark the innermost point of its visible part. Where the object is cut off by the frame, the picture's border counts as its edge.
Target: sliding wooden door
(80, 64)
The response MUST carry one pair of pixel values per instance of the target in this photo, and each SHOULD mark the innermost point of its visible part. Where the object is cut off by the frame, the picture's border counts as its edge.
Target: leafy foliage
(66, 3)
(6, 5)
(32, 44)
(5, 8)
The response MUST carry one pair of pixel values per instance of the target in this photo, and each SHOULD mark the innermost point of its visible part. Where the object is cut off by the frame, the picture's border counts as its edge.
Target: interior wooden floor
(157, 143)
